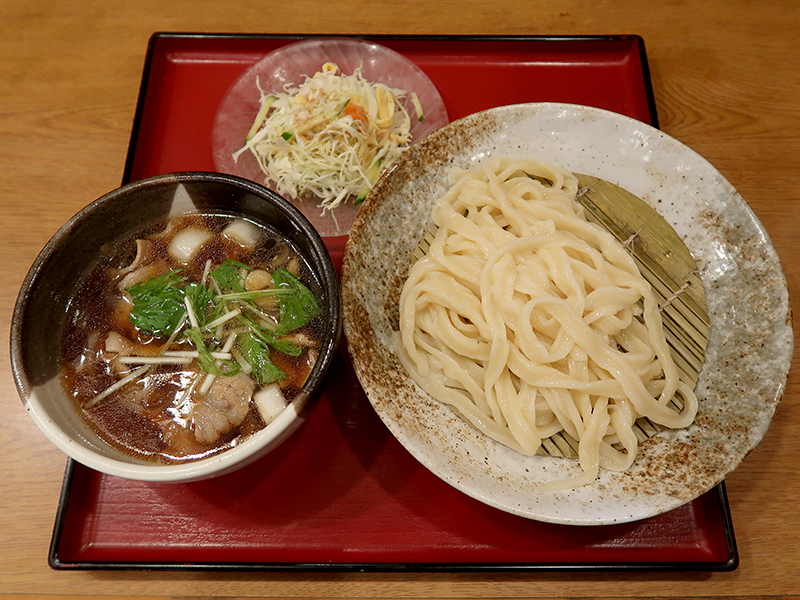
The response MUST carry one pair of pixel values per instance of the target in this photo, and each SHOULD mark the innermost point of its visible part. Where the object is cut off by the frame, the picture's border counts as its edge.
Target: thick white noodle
(530, 320)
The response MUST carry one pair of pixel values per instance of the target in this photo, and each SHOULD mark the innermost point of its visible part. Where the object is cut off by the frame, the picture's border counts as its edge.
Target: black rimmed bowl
(51, 283)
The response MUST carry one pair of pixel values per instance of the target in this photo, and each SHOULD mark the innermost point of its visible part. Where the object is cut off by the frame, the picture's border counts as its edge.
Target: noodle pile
(529, 320)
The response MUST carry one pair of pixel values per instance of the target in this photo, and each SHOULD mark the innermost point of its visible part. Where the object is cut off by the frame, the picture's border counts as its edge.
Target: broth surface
(177, 407)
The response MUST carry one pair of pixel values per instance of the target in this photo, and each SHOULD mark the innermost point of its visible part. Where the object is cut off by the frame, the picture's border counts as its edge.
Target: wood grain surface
(726, 77)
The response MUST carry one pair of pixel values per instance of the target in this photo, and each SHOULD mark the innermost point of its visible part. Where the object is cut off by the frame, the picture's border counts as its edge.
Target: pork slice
(222, 408)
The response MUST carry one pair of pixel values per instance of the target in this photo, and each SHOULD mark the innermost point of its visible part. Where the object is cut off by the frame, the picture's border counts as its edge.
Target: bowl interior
(52, 280)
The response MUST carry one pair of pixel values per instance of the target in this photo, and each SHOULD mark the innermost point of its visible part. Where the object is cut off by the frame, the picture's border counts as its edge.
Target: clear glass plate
(288, 66)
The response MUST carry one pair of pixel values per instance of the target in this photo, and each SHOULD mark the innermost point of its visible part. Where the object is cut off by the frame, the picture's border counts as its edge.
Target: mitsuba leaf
(227, 275)
(298, 308)
(256, 353)
(271, 339)
(207, 362)
(201, 299)
(158, 303)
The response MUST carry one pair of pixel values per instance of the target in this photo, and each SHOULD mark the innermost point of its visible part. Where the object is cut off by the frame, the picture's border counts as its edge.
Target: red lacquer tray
(342, 493)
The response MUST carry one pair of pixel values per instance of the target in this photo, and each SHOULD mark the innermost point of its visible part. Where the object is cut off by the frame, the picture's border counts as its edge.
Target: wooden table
(727, 83)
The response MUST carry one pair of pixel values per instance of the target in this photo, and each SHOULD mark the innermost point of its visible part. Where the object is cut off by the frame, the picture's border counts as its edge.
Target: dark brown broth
(141, 421)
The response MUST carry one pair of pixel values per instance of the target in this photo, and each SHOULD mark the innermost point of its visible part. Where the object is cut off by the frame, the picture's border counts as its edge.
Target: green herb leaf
(158, 303)
(256, 353)
(228, 277)
(271, 339)
(202, 301)
(207, 362)
(296, 309)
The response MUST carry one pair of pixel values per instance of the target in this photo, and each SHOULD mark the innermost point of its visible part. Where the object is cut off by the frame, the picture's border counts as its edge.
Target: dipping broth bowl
(51, 283)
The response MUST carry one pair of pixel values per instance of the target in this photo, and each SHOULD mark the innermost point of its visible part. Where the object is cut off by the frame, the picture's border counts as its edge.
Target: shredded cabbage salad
(331, 136)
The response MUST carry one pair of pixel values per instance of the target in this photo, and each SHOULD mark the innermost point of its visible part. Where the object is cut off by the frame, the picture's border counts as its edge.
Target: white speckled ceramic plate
(748, 354)
(288, 65)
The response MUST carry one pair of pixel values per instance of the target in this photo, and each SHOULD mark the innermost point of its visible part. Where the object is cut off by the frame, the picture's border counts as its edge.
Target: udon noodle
(529, 320)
